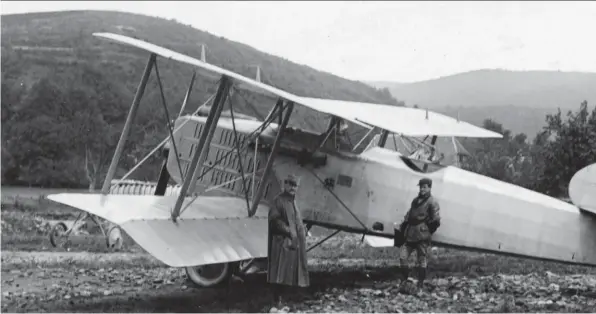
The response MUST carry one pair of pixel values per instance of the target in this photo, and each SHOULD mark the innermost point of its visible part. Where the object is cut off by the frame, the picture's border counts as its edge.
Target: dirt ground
(346, 276)
(93, 282)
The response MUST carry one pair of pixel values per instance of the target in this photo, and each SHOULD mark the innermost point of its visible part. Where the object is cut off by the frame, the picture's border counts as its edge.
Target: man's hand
(402, 226)
(433, 226)
(289, 244)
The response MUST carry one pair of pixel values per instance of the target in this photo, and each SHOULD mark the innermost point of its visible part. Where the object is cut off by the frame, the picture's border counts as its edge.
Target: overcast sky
(389, 41)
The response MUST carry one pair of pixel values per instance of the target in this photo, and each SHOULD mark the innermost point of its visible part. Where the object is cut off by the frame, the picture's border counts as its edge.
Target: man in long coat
(420, 222)
(287, 263)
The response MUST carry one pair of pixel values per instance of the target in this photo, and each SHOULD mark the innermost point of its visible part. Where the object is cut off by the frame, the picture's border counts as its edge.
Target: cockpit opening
(421, 166)
(309, 147)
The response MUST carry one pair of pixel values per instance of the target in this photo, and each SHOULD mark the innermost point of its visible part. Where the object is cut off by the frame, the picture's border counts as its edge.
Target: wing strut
(200, 153)
(131, 115)
(432, 152)
(364, 138)
(383, 139)
(288, 112)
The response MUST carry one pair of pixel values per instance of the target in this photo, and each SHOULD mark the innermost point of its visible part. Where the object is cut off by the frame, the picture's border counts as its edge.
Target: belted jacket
(422, 220)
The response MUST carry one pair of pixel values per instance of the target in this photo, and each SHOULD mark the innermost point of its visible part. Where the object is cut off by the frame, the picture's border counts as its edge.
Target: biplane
(363, 188)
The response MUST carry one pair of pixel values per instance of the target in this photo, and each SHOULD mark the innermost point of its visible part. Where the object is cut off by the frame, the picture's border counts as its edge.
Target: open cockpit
(310, 147)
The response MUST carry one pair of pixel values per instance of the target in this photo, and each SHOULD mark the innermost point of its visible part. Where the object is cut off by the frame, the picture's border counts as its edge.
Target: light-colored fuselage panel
(371, 191)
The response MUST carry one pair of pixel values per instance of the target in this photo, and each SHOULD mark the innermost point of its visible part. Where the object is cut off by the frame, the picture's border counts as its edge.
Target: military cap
(291, 179)
(426, 181)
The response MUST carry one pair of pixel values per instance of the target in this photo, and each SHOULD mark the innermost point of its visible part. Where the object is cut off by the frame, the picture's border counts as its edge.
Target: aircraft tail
(582, 189)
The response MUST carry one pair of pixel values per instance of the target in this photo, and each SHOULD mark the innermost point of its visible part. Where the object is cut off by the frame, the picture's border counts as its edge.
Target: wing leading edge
(407, 121)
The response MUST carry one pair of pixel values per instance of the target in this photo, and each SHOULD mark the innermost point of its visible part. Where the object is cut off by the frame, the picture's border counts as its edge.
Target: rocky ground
(346, 276)
(81, 282)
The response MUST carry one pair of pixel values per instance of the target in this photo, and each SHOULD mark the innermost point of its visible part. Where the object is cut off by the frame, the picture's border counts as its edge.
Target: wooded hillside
(66, 93)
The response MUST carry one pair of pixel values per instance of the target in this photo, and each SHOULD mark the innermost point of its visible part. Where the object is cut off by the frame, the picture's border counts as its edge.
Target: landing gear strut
(212, 275)
(61, 232)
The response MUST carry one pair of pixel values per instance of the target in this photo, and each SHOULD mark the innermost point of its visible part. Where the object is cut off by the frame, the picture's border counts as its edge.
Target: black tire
(57, 232)
(206, 276)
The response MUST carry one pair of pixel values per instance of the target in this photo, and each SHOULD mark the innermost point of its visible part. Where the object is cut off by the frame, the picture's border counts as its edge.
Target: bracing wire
(238, 151)
(244, 146)
(168, 120)
(161, 144)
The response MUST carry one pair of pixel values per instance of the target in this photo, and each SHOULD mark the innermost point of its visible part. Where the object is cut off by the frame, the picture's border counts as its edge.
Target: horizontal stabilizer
(211, 230)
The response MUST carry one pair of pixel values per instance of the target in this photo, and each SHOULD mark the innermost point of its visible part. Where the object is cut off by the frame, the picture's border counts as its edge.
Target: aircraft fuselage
(371, 192)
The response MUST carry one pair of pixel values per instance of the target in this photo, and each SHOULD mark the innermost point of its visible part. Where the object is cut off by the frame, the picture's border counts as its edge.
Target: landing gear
(206, 276)
(57, 235)
(212, 275)
(61, 232)
(114, 238)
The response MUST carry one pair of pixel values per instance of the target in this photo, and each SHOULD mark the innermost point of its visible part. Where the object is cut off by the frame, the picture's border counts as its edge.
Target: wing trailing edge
(211, 230)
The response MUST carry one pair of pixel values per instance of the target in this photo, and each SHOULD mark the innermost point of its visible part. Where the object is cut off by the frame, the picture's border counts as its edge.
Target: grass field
(10, 194)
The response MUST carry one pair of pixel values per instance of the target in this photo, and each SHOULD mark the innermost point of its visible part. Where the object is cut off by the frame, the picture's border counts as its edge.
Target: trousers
(421, 249)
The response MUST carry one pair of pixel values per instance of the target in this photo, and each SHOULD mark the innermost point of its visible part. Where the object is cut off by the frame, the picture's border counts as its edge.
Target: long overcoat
(287, 263)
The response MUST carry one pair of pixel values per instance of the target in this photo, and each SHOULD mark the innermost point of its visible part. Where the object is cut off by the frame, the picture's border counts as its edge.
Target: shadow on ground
(251, 295)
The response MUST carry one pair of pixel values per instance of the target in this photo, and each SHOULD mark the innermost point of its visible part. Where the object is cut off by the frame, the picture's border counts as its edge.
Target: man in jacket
(420, 222)
(287, 263)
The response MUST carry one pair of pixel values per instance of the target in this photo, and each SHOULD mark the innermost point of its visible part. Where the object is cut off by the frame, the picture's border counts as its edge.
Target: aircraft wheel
(206, 276)
(114, 238)
(57, 235)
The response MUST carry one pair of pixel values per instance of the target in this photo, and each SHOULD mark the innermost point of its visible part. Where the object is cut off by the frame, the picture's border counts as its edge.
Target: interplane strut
(286, 118)
(201, 150)
(126, 130)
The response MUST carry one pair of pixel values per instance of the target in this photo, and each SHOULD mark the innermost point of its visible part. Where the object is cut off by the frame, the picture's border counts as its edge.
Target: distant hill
(59, 83)
(517, 99)
(57, 39)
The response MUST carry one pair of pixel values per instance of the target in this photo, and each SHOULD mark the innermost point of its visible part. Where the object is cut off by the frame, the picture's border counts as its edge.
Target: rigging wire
(238, 151)
(217, 162)
(168, 120)
(161, 144)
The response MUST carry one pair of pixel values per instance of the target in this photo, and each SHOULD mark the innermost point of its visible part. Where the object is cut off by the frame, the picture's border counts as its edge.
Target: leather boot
(404, 271)
(277, 291)
(421, 276)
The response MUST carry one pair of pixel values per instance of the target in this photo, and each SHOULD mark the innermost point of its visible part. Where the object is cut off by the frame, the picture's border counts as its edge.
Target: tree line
(546, 164)
(61, 134)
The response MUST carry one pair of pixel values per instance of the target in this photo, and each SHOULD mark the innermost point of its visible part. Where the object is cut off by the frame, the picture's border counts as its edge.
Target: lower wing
(211, 230)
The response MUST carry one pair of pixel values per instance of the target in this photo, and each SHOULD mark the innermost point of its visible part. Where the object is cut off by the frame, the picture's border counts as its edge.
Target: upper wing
(401, 120)
(212, 229)
(407, 121)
